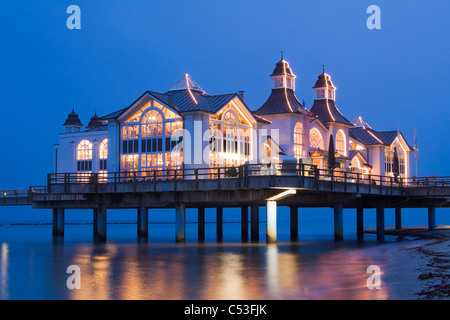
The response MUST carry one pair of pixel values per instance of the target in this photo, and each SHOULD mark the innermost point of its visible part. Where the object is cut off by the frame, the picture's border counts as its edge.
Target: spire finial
(282, 56)
(323, 68)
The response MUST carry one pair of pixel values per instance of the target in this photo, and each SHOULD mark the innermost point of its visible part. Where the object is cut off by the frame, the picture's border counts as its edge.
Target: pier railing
(302, 171)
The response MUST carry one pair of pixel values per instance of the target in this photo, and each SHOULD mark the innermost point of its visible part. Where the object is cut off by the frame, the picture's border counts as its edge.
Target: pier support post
(142, 222)
(219, 223)
(58, 222)
(380, 224)
(294, 223)
(360, 223)
(244, 223)
(95, 222)
(254, 224)
(431, 219)
(338, 222)
(201, 224)
(398, 218)
(180, 217)
(271, 225)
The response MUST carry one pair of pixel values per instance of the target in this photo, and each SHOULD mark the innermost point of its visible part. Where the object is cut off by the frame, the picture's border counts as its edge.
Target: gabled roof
(327, 111)
(281, 100)
(186, 100)
(369, 137)
(355, 153)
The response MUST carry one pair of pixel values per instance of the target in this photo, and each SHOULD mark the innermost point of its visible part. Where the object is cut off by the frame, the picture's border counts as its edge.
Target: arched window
(103, 156)
(104, 149)
(152, 124)
(84, 159)
(299, 143)
(84, 150)
(315, 139)
(340, 142)
(356, 165)
(389, 159)
(230, 139)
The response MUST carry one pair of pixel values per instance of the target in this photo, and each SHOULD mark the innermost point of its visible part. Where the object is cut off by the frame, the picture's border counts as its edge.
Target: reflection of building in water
(96, 274)
(248, 272)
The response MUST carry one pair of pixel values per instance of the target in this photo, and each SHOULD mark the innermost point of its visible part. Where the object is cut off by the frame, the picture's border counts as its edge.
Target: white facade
(217, 131)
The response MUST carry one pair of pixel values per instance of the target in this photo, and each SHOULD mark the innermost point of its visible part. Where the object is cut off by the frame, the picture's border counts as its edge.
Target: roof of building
(282, 69)
(73, 120)
(354, 153)
(281, 100)
(187, 97)
(367, 136)
(94, 121)
(186, 82)
(327, 111)
(324, 153)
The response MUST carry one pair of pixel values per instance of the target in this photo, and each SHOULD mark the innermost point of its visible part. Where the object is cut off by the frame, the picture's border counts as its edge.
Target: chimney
(241, 94)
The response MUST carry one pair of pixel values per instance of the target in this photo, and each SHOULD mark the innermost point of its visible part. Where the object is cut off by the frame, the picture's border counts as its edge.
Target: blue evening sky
(396, 76)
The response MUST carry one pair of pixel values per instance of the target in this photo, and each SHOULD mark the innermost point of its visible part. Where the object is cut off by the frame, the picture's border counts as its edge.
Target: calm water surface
(33, 266)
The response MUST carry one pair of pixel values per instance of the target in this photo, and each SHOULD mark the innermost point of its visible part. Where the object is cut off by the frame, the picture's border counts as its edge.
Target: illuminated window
(299, 143)
(355, 164)
(266, 153)
(340, 142)
(103, 158)
(84, 160)
(229, 138)
(315, 139)
(84, 156)
(389, 159)
(152, 142)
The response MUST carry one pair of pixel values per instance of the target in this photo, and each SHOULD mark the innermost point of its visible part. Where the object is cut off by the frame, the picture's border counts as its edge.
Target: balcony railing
(249, 170)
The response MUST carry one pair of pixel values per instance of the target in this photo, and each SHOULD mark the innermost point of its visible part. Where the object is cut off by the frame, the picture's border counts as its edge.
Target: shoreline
(430, 261)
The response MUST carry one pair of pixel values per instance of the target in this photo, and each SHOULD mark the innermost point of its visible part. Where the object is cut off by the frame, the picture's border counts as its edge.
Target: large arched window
(299, 141)
(315, 139)
(149, 139)
(230, 139)
(340, 143)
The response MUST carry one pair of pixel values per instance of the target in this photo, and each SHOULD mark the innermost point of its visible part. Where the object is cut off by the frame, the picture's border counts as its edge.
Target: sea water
(34, 265)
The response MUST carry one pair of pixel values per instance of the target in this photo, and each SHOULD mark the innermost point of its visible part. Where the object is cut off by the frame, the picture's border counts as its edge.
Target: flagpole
(416, 151)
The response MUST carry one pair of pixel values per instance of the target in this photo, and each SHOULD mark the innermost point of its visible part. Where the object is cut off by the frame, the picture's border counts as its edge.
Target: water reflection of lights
(216, 272)
(4, 293)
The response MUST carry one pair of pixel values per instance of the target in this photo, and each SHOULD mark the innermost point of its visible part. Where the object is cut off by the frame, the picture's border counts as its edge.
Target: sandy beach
(428, 263)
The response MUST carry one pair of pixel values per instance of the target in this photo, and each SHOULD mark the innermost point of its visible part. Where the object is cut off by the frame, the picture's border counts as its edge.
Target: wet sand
(427, 265)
